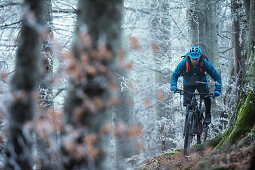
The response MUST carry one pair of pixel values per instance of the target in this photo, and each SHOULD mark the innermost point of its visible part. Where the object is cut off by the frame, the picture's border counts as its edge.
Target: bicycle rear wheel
(188, 133)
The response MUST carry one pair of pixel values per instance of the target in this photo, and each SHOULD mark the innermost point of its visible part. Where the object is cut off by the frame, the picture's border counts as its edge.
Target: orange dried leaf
(93, 152)
(3, 76)
(155, 48)
(113, 86)
(85, 59)
(114, 100)
(68, 56)
(147, 102)
(99, 103)
(131, 85)
(90, 140)
(133, 43)
(69, 147)
(134, 131)
(161, 96)
(107, 129)
(129, 66)
(78, 112)
(91, 70)
(1, 139)
(139, 147)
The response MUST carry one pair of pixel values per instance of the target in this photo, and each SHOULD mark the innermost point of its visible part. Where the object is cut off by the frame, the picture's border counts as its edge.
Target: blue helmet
(194, 52)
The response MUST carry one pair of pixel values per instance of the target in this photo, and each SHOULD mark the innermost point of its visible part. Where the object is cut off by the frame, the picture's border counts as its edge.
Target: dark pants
(202, 88)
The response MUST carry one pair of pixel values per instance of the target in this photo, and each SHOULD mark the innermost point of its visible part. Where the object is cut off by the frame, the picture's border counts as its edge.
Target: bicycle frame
(193, 123)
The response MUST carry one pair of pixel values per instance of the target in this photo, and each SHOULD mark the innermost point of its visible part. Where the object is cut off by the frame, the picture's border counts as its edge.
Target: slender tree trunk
(211, 33)
(238, 42)
(86, 106)
(24, 83)
(202, 27)
(160, 31)
(45, 87)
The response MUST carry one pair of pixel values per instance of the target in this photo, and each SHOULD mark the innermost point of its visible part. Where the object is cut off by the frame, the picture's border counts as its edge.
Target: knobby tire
(188, 136)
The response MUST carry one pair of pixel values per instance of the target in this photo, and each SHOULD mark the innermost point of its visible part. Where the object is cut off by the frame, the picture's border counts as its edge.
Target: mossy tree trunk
(245, 115)
(24, 83)
(92, 90)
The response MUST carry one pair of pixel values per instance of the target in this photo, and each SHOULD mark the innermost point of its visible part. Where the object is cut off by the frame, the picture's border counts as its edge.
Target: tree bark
(45, 87)
(24, 83)
(244, 118)
(91, 65)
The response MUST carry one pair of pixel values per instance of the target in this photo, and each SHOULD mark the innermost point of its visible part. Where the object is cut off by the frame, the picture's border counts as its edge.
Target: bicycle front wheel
(188, 133)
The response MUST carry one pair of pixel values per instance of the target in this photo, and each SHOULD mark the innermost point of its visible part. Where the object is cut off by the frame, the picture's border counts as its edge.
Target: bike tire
(188, 136)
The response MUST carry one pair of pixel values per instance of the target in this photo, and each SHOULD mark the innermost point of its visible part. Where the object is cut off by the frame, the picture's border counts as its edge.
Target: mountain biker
(193, 68)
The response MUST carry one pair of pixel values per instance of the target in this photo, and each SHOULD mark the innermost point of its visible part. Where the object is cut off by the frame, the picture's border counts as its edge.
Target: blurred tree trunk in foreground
(24, 83)
(92, 90)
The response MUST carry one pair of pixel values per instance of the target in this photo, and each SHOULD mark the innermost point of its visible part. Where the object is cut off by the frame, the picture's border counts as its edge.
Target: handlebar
(194, 94)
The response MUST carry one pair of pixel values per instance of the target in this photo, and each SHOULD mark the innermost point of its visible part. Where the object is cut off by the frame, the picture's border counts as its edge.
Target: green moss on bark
(244, 122)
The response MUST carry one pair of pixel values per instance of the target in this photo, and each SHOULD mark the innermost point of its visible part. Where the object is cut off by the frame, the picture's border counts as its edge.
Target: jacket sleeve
(177, 72)
(213, 73)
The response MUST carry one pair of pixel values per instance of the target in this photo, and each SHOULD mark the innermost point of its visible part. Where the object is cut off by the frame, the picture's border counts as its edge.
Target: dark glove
(173, 88)
(216, 93)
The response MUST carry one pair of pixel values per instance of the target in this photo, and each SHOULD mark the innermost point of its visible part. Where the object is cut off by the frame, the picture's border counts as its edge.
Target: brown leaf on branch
(147, 102)
(155, 48)
(134, 131)
(114, 100)
(107, 129)
(90, 140)
(139, 147)
(161, 96)
(69, 147)
(3, 76)
(113, 86)
(99, 104)
(133, 43)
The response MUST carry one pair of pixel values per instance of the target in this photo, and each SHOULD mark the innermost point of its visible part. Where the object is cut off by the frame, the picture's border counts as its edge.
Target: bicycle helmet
(194, 52)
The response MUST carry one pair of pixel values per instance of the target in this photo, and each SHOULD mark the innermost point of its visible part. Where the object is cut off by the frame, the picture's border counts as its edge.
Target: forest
(87, 84)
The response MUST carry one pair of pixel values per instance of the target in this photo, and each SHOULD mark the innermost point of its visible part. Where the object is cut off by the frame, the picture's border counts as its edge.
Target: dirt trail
(237, 159)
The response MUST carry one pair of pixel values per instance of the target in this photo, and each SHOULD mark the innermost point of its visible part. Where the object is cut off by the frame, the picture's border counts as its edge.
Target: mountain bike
(194, 125)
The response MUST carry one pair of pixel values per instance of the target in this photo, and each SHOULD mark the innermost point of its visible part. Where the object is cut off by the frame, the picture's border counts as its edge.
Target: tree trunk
(24, 83)
(45, 87)
(244, 118)
(202, 27)
(90, 68)
(237, 45)
(160, 31)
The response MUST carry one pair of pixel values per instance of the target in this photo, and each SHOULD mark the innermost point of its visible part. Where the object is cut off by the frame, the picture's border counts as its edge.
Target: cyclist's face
(194, 62)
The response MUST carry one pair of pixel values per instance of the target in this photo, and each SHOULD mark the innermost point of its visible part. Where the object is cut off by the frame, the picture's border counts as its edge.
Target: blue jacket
(194, 76)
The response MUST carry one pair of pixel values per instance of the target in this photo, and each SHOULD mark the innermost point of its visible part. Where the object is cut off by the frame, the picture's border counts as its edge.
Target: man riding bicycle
(193, 68)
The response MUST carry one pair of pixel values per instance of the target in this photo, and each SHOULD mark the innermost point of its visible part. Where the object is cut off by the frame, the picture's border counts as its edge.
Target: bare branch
(10, 4)
(7, 25)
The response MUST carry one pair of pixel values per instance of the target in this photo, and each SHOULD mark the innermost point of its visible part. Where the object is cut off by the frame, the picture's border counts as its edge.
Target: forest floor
(235, 158)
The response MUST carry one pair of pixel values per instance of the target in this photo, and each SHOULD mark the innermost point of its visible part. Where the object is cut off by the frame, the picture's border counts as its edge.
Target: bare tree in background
(24, 84)
(201, 16)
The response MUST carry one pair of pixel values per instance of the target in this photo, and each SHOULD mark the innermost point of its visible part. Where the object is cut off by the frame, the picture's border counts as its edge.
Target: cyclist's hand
(216, 93)
(173, 88)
